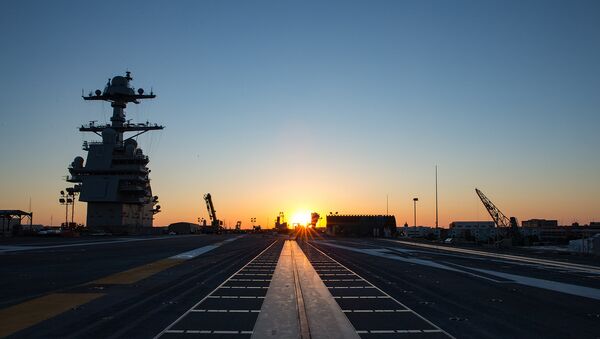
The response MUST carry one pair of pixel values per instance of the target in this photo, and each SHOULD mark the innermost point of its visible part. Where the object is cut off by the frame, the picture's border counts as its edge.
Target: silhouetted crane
(214, 221)
(502, 221)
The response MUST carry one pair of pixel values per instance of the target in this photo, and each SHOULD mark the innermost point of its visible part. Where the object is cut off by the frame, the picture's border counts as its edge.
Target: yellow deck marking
(138, 273)
(29, 313)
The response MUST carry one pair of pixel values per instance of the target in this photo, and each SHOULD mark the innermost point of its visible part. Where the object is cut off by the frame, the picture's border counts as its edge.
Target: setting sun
(301, 218)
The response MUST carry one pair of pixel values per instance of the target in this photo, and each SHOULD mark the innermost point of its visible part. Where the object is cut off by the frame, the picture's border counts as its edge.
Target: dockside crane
(214, 221)
(503, 223)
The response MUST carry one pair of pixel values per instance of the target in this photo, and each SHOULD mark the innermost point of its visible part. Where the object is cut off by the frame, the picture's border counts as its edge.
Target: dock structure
(362, 225)
(114, 180)
(11, 221)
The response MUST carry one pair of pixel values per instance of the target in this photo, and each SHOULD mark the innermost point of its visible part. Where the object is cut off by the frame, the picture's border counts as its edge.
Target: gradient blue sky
(315, 105)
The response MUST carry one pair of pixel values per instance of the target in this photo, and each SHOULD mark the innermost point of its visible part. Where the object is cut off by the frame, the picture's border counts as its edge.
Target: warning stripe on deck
(21, 316)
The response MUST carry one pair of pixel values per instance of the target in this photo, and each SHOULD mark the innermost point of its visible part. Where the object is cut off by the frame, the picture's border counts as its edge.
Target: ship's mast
(119, 94)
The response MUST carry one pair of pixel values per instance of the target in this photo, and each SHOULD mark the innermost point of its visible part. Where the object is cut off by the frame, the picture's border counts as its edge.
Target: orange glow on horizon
(301, 218)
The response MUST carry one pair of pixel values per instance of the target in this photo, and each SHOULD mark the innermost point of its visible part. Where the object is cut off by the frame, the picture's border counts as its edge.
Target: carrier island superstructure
(114, 180)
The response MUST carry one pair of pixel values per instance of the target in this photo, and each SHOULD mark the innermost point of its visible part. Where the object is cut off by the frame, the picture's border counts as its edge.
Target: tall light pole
(73, 192)
(66, 200)
(436, 198)
(415, 209)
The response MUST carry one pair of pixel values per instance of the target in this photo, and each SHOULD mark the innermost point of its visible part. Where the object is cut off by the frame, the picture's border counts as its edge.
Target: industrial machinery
(507, 227)
(314, 219)
(214, 221)
(114, 180)
(281, 225)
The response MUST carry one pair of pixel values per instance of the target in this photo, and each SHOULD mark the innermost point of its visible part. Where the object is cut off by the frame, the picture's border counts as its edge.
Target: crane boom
(499, 218)
(211, 211)
(508, 226)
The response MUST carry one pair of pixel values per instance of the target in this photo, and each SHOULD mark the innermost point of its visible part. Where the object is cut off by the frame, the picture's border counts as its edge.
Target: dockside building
(361, 225)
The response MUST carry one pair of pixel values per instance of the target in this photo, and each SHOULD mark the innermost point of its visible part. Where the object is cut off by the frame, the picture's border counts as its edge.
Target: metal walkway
(303, 293)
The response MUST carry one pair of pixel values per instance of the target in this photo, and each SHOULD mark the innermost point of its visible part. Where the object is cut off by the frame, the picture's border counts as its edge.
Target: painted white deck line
(18, 248)
(490, 275)
(201, 250)
(382, 252)
(582, 291)
(552, 263)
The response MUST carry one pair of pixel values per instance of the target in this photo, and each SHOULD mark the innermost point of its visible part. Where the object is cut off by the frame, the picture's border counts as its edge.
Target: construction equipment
(507, 226)
(214, 221)
(314, 219)
(281, 225)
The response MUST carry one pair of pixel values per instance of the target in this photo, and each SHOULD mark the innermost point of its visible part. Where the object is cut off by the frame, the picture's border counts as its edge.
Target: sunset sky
(314, 105)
